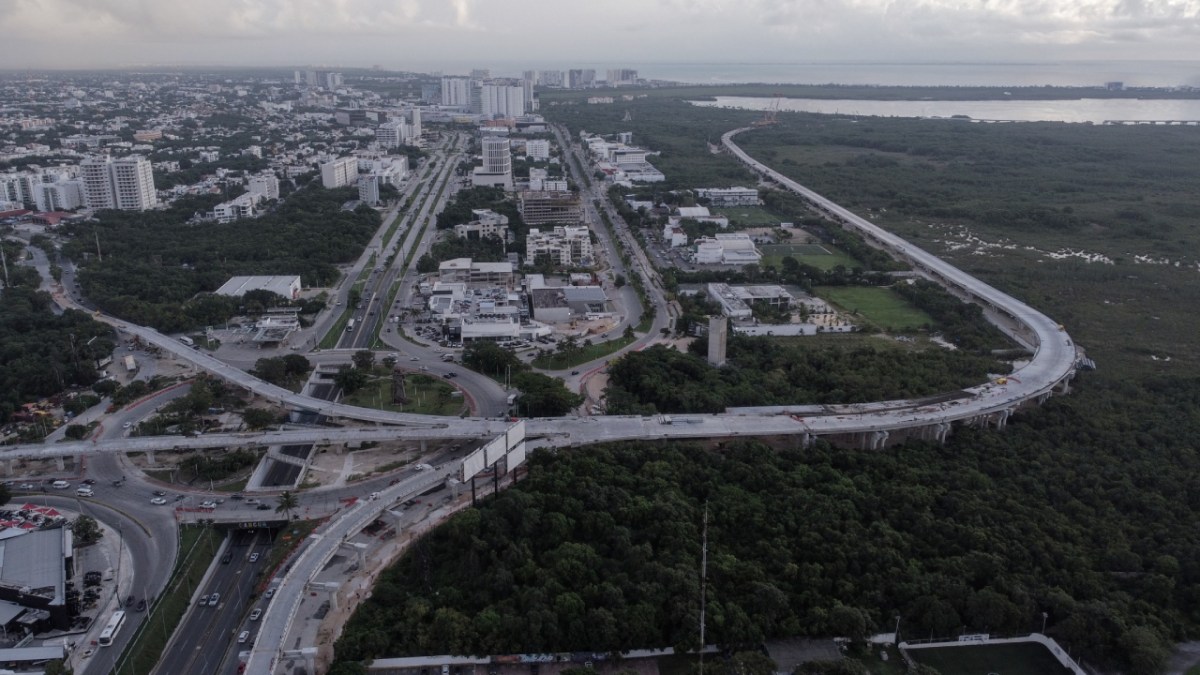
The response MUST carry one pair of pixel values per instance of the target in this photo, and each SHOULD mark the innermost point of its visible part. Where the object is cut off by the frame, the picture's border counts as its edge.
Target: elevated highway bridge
(875, 425)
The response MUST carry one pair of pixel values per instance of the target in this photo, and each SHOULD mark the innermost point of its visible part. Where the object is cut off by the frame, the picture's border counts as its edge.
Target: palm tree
(287, 502)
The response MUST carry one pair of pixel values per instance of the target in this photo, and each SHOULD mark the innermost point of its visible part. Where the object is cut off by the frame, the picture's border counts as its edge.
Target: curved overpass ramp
(1052, 365)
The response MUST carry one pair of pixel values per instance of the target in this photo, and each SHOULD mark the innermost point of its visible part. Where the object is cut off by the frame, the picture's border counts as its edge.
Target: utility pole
(703, 582)
(4, 262)
(99, 257)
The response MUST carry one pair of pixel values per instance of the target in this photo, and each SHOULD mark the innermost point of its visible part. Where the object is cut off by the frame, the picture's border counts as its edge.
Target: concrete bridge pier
(1064, 387)
(6, 467)
(1002, 417)
(329, 587)
(308, 655)
(423, 446)
(150, 457)
(61, 463)
(879, 439)
(360, 551)
(941, 432)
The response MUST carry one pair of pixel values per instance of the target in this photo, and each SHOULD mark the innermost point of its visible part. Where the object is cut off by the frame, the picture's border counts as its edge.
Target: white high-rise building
(527, 84)
(368, 189)
(456, 91)
(18, 187)
(392, 134)
(502, 100)
(497, 164)
(64, 195)
(551, 78)
(537, 148)
(622, 76)
(339, 172)
(264, 184)
(497, 158)
(415, 127)
(126, 184)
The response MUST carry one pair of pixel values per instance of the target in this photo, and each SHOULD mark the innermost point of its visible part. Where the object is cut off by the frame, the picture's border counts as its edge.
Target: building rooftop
(35, 561)
(279, 285)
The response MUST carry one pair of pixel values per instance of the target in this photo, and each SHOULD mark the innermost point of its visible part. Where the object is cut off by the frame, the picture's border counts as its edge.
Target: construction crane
(772, 111)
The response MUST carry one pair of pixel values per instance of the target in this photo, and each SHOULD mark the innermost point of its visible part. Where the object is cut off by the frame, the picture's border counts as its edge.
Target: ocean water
(1094, 110)
(1066, 74)
(1007, 74)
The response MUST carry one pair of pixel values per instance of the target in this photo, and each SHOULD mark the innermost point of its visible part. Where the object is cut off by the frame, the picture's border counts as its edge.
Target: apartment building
(339, 172)
(565, 246)
(126, 184)
(550, 208)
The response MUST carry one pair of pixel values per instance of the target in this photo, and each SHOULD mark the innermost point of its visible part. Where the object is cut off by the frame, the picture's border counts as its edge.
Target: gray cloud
(393, 32)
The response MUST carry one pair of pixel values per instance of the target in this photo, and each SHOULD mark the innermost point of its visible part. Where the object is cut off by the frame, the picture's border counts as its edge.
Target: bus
(111, 628)
(350, 326)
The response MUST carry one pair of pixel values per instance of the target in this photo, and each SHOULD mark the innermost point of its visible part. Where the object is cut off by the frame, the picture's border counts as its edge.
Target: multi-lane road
(1051, 365)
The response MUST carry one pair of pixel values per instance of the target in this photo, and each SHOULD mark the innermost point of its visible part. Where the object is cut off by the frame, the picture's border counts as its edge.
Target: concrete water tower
(718, 336)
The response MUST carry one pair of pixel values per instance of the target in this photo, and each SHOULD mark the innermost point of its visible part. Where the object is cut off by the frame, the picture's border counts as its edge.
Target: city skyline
(418, 34)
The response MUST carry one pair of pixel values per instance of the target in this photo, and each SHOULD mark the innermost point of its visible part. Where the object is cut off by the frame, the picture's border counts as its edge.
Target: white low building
(700, 214)
(287, 286)
(735, 248)
(564, 245)
(734, 196)
(674, 236)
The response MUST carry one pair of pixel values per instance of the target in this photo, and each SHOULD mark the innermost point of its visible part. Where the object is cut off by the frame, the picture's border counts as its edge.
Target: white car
(208, 504)
(158, 501)
(255, 614)
(127, 425)
(254, 557)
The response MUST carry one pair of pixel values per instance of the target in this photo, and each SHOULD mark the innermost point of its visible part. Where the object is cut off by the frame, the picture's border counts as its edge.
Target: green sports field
(1026, 658)
(821, 256)
(879, 306)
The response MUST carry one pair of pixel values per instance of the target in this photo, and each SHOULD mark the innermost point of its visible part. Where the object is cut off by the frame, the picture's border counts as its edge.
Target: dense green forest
(157, 270)
(768, 371)
(599, 548)
(1084, 508)
(41, 353)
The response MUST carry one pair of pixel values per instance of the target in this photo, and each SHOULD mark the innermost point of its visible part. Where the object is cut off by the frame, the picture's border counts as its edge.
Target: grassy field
(879, 306)
(823, 257)
(750, 216)
(1009, 659)
(427, 395)
(557, 361)
(197, 548)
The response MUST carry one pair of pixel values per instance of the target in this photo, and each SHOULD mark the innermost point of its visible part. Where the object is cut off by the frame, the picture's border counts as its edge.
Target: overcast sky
(453, 34)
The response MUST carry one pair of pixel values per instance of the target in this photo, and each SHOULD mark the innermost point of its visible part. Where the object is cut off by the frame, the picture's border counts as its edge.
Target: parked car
(255, 614)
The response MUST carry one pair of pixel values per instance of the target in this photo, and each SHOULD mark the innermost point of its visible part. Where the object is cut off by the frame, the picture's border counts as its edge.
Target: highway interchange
(1051, 366)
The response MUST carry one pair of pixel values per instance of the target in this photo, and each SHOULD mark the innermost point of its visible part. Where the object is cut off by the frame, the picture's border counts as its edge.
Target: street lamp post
(1044, 616)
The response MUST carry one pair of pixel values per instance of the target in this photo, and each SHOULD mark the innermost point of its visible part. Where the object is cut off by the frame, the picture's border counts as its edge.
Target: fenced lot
(749, 216)
(821, 256)
(882, 307)
(1025, 658)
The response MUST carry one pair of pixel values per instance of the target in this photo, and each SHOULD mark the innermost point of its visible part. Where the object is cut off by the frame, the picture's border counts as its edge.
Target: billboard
(473, 464)
(516, 456)
(494, 450)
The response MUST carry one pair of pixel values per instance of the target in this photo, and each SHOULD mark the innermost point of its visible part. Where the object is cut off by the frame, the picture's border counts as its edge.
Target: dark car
(160, 493)
(236, 497)
(129, 602)
(226, 558)
(89, 481)
(141, 605)
(263, 507)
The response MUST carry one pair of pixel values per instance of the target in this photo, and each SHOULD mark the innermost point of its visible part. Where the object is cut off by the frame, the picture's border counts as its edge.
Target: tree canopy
(598, 549)
(157, 270)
